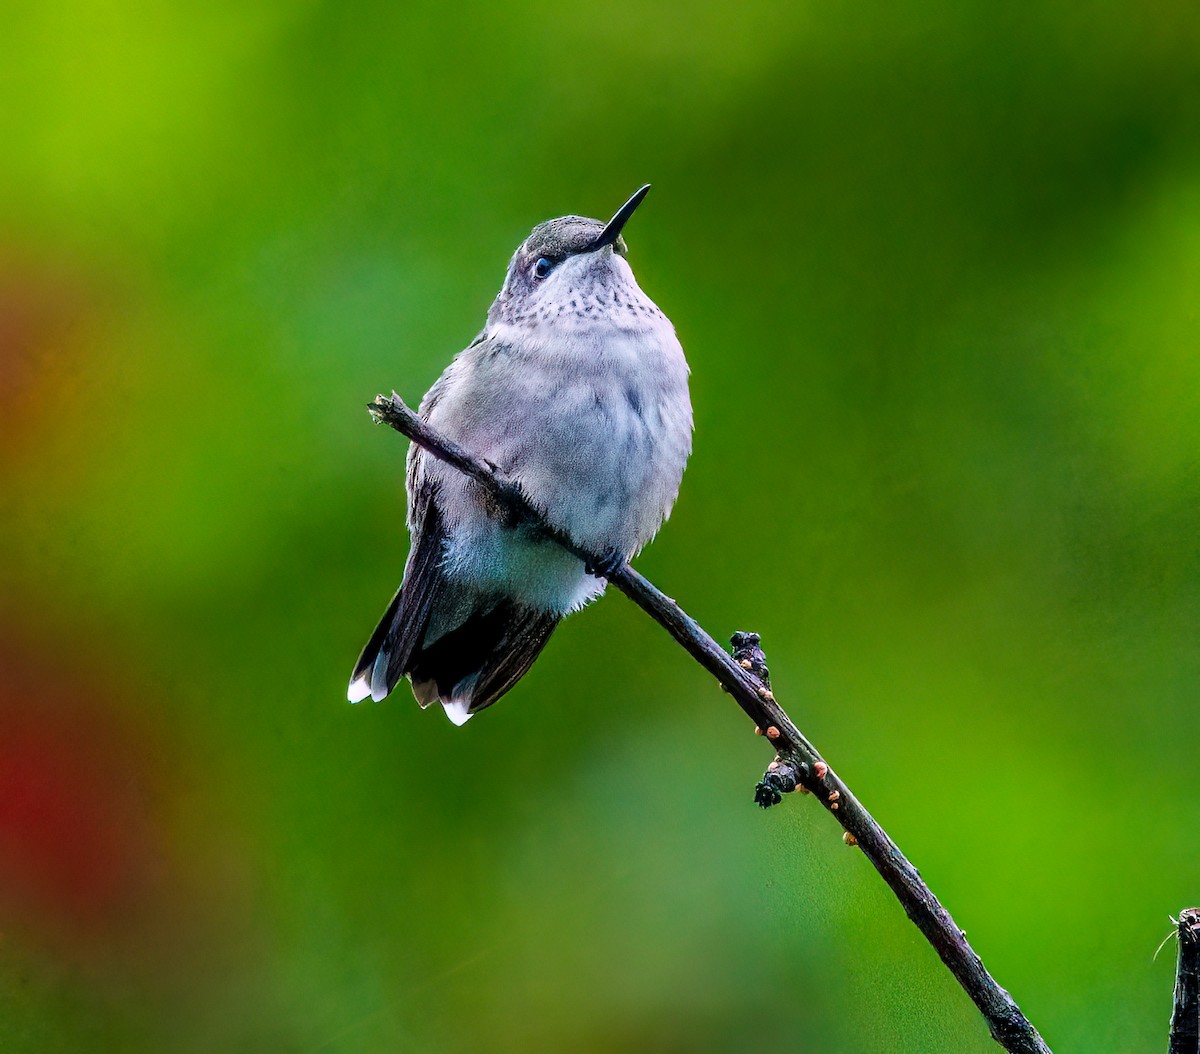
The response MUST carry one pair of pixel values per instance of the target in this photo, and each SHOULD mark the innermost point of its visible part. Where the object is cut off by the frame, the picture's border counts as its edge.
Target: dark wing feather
(383, 660)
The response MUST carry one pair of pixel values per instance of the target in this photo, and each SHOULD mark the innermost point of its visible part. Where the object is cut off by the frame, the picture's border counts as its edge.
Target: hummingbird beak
(612, 229)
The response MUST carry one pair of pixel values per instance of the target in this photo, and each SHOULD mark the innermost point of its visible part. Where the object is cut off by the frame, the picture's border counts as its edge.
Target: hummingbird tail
(473, 665)
(466, 668)
(458, 646)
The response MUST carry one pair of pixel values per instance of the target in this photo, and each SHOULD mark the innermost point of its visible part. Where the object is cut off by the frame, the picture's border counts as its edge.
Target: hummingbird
(577, 390)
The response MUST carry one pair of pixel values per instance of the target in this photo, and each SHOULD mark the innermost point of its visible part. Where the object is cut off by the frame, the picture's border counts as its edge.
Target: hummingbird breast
(592, 418)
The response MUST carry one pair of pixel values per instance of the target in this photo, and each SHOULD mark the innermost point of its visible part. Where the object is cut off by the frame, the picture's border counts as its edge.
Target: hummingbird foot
(607, 564)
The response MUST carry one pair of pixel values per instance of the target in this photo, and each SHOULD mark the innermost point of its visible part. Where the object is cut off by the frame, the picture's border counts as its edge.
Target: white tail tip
(360, 688)
(457, 711)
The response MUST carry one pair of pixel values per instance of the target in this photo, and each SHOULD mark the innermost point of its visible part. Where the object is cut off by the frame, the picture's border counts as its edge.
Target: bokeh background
(936, 268)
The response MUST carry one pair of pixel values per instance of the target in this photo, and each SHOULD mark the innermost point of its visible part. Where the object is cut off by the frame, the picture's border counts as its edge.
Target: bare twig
(797, 761)
(1185, 1015)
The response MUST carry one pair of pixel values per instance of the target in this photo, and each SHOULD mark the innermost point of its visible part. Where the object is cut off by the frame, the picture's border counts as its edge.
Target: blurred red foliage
(80, 847)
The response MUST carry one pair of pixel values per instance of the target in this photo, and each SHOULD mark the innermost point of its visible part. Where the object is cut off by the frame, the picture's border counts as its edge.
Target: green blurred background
(936, 269)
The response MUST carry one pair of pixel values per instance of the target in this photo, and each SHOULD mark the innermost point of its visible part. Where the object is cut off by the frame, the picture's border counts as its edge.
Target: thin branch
(1185, 1015)
(797, 762)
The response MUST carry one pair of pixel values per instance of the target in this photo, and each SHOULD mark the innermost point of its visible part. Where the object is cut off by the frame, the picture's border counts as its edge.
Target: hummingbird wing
(386, 655)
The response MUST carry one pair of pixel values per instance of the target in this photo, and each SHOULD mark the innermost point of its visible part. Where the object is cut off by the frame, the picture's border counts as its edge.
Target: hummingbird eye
(542, 268)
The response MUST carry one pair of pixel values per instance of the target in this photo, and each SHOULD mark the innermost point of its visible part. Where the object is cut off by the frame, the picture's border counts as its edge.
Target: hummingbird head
(572, 268)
